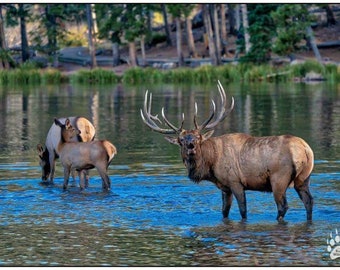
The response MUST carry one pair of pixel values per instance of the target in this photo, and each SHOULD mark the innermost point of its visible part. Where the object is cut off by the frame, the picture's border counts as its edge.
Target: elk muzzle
(188, 144)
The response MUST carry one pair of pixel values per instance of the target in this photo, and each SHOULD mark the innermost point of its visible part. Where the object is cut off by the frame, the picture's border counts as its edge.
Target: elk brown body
(84, 155)
(238, 162)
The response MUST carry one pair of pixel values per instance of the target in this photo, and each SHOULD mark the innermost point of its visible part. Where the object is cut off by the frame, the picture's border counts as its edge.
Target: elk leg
(81, 179)
(52, 159)
(74, 179)
(106, 182)
(87, 177)
(67, 172)
(240, 196)
(282, 205)
(227, 199)
(305, 196)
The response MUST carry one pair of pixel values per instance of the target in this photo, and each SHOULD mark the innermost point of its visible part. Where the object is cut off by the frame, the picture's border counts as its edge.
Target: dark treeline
(249, 32)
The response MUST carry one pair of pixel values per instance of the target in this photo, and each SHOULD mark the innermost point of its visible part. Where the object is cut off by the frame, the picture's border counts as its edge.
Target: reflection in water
(154, 215)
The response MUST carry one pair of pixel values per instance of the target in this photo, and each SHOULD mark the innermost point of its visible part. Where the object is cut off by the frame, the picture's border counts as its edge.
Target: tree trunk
(245, 27)
(224, 37)
(132, 54)
(330, 15)
(166, 24)
(210, 34)
(115, 54)
(232, 16)
(237, 18)
(3, 61)
(217, 40)
(142, 46)
(179, 42)
(25, 53)
(51, 26)
(190, 36)
(94, 23)
(90, 36)
(311, 39)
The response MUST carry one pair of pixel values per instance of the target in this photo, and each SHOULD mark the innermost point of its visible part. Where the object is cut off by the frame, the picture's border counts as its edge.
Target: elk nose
(191, 146)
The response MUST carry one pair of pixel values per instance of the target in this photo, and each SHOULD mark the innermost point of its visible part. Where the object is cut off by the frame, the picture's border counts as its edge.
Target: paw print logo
(333, 245)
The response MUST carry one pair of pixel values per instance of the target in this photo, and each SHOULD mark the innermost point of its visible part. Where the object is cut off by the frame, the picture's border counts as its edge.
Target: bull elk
(84, 155)
(48, 156)
(238, 162)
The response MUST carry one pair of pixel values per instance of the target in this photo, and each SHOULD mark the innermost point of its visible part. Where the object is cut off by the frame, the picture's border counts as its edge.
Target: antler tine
(195, 117)
(181, 128)
(223, 112)
(206, 122)
(177, 130)
(153, 117)
(149, 119)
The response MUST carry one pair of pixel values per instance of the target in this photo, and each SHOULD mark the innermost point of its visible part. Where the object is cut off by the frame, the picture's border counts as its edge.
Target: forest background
(129, 35)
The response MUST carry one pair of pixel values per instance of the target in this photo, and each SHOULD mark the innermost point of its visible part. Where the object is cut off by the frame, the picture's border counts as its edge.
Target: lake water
(154, 215)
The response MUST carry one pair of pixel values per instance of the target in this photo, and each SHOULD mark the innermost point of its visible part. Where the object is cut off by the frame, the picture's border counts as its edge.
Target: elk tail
(110, 150)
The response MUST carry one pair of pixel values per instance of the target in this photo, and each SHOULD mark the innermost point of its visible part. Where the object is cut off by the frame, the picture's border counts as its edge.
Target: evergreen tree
(292, 21)
(18, 14)
(261, 30)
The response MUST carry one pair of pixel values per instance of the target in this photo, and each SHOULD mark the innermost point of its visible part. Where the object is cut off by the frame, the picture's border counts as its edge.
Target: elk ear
(57, 122)
(40, 150)
(173, 140)
(67, 123)
(207, 135)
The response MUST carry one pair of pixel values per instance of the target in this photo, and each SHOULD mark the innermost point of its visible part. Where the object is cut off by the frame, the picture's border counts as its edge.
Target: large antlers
(150, 119)
(221, 114)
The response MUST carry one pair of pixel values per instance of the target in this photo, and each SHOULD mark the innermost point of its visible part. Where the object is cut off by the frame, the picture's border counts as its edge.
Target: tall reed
(95, 76)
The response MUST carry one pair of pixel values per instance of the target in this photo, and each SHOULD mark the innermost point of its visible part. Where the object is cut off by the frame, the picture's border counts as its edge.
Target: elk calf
(49, 155)
(239, 162)
(84, 155)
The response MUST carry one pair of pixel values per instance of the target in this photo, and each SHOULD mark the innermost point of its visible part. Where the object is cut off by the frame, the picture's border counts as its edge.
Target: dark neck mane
(200, 166)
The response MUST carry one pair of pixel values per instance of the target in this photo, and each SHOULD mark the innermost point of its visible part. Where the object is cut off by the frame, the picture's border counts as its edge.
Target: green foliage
(122, 22)
(53, 76)
(300, 70)
(230, 73)
(75, 38)
(179, 10)
(110, 23)
(5, 56)
(257, 73)
(261, 30)
(95, 76)
(26, 74)
(157, 38)
(13, 13)
(52, 24)
(292, 21)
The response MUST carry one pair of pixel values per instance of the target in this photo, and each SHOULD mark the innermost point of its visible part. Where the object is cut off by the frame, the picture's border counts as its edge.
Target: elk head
(44, 162)
(190, 141)
(68, 132)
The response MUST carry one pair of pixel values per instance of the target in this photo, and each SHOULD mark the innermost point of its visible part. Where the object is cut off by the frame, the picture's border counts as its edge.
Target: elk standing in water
(49, 155)
(239, 162)
(84, 155)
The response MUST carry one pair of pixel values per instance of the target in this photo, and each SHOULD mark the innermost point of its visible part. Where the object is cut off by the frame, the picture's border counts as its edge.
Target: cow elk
(83, 155)
(48, 156)
(239, 162)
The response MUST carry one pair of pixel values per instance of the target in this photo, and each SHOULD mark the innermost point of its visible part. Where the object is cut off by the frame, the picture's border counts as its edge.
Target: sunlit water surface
(154, 215)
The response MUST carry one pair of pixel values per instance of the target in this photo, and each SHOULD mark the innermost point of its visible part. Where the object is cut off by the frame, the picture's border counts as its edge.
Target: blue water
(172, 205)
(154, 215)
(151, 201)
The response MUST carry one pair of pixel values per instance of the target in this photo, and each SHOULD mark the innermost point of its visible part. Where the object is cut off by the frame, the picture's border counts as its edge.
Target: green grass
(95, 76)
(28, 73)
